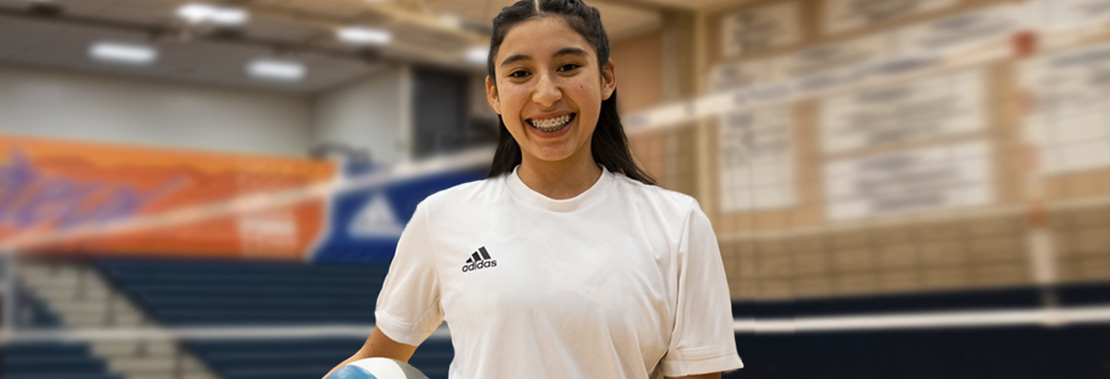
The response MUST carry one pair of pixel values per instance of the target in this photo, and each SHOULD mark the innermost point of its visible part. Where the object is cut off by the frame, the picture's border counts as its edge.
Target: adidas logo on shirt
(478, 260)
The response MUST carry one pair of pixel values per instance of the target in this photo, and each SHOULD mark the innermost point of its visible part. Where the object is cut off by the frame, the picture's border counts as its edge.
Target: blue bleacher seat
(48, 360)
(61, 360)
(306, 357)
(202, 293)
(40, 316)
(233, 293)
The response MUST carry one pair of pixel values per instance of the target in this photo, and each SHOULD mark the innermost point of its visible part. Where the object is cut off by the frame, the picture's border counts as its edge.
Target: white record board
(852, 53)
(1070, 122)
(963, 31)
(1066, 14)
(847, 15)
(731, 76)
(757, 160)
(944, 105)
(913, 181)
(760, 28)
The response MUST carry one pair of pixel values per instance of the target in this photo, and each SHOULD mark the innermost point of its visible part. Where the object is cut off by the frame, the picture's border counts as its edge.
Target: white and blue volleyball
(377, 368)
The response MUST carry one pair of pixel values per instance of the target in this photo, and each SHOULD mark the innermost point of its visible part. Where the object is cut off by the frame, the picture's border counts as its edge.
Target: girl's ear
(608, 80)
(491, 95)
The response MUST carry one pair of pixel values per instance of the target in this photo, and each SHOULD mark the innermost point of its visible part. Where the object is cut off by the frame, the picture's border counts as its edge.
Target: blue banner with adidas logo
(365, 225)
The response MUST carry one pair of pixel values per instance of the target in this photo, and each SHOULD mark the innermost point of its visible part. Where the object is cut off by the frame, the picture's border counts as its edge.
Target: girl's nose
(547, 92)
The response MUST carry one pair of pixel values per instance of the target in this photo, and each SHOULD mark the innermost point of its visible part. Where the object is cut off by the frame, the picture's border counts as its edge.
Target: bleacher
(35, 313)
(197, 293)
(254, 294)
(36, 360)
(304, 358)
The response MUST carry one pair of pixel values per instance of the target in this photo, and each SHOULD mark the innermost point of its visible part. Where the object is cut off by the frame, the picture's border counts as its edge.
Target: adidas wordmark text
(478, 260)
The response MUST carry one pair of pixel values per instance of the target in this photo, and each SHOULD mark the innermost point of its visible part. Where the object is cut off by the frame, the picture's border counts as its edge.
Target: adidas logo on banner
(375, 219)
(478, 260)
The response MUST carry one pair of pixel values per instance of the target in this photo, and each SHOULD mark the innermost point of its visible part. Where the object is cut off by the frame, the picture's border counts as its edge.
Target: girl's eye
(518, 74)
(568, 67)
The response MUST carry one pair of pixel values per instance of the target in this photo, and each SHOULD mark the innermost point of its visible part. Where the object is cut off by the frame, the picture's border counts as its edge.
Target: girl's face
(548, 89)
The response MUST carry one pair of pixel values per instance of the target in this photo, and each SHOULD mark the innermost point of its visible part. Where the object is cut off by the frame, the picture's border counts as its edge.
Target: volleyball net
(961, 152)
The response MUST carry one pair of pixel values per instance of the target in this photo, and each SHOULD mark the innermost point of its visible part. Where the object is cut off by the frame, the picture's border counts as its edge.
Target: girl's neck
(558, 180)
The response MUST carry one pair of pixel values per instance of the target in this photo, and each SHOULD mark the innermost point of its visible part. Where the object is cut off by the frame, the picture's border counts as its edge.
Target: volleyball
(377, 368)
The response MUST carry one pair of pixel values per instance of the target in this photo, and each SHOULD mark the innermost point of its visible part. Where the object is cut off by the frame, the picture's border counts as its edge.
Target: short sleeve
(702, 339)
(408, 308)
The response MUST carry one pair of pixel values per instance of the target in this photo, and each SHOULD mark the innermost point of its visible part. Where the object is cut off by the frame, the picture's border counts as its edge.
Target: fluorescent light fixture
(195, 13)
(364, 36)
(477, 54)
(129, 53)
(276, 69)
(229, 16)
(199, 13)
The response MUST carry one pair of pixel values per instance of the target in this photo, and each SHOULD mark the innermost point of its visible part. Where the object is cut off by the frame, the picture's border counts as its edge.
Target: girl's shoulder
(469, 192)
(635, 187)
(662, 199)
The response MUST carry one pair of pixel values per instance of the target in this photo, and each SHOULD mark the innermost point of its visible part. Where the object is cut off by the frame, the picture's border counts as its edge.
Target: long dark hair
(609, 145)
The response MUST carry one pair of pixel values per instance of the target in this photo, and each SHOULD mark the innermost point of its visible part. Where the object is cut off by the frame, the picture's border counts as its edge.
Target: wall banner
(761, 28)
(1071, 91)
(125, 200)
(912, 111)
(847, 15)
(757, 160)
(928, 179)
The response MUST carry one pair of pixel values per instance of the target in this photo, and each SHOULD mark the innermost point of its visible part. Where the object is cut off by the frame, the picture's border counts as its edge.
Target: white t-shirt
(623, 281)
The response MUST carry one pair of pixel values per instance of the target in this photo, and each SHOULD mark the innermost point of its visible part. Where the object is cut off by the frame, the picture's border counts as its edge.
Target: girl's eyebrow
(564, 51)
(571, 51)
(514, 58)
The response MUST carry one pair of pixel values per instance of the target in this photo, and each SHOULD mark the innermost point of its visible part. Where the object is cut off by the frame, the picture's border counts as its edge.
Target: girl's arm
(379, 345)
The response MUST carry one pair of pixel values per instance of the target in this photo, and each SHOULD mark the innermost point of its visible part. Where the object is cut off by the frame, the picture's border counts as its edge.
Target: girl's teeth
(552, 124)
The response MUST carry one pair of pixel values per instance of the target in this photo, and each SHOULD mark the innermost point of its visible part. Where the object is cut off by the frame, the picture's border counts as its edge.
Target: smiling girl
(567, 262)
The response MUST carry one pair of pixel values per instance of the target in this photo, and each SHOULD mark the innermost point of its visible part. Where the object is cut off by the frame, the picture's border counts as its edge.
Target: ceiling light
(364, 36)
(477, 55)
(200, 13)
(275, 69)
(229, 16)
(129, 53)
(195, 13)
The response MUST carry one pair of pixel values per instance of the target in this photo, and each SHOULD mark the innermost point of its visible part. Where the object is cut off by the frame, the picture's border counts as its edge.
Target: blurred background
(900, 188)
